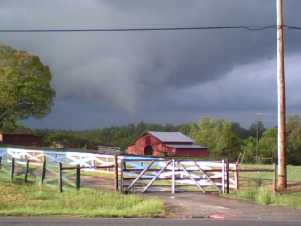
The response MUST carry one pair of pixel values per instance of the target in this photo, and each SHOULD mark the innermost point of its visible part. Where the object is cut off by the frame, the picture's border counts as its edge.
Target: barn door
(148, 150)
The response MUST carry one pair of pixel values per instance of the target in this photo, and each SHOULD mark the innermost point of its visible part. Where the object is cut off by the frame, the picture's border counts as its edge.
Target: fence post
(60, 177)
(78, 177)
(173, 179)
(43, 170)
(228, 176)
(275, 178)
(121, 175)
(26, 171)
(116, 172)
(236, 175)
(12, 172)
(223, 176)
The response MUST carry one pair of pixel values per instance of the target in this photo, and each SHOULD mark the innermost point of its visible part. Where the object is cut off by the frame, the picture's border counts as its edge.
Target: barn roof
(171, 137)
(186, 146)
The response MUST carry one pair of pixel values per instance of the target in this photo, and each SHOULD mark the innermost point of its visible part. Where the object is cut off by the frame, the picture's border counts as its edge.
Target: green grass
(265, 197)
(256, 186)
(33, 200)
(99, 173)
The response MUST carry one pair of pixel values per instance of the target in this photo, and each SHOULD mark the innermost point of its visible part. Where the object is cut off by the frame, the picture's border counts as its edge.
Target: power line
(249, 28)
(292, 27)
(65, 30)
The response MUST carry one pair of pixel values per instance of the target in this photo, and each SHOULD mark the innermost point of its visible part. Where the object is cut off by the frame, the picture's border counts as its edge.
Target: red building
(167, 144)
(20, 139)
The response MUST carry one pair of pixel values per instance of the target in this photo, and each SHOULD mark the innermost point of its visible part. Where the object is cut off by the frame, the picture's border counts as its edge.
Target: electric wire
(249, 28)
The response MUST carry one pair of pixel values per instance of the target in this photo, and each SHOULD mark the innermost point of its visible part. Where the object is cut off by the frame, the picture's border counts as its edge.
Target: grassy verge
(265, 197)
(19, 199)
(256, 186)
(32, 200)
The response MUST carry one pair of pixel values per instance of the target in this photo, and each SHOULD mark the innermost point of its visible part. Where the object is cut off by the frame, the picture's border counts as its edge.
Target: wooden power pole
(282, 178)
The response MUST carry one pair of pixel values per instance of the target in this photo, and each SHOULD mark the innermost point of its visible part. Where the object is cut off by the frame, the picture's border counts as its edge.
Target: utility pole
(282, 178)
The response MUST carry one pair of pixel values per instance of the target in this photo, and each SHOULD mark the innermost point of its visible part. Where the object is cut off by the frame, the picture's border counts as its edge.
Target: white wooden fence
(89, 160)
(53, 163)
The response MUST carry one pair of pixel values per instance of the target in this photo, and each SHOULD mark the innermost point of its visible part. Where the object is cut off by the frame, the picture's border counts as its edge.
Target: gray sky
(105, 79)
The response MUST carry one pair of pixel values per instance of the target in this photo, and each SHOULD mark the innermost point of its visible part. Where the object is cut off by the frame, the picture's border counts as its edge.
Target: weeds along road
(29, 221)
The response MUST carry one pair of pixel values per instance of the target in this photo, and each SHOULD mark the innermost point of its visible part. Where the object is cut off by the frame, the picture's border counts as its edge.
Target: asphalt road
(133, 222)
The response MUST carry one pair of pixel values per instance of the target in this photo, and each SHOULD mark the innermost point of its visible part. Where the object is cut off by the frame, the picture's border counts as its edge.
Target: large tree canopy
(25, 87)
(219, 136)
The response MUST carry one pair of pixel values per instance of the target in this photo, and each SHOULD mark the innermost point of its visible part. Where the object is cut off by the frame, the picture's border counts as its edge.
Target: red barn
(167, 144)
(20, 139)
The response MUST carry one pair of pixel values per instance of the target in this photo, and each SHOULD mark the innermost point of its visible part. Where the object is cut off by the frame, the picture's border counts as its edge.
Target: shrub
(263, 196)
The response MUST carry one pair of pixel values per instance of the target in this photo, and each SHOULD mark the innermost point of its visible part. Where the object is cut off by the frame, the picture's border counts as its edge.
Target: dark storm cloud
(141, 75)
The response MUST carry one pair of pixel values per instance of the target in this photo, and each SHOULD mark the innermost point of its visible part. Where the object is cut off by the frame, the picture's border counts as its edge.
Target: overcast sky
(104, 79)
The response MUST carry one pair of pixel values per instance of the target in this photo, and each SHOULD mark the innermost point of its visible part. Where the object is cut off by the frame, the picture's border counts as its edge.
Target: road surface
(41, 221)
(196, 205)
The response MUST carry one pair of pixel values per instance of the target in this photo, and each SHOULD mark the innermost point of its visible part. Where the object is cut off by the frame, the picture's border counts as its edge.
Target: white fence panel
(89, 160)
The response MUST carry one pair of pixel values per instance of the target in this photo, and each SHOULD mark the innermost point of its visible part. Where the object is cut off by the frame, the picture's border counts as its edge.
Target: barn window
(148, 150)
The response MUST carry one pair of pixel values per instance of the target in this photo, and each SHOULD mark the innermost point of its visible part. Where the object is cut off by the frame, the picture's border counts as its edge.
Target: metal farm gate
(149, 174)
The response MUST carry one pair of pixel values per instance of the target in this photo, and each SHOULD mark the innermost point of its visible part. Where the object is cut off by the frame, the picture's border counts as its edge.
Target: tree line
(223, 138)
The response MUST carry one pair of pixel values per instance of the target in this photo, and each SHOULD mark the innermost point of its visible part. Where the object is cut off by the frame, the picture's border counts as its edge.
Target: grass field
(32, 199)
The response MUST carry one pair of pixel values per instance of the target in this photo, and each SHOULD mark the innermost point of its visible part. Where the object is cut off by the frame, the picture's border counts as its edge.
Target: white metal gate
(142, 175)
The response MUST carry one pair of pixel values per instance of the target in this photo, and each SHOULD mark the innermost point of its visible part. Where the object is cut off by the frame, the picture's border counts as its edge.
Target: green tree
(25, 89)
(248, 149)
(268, 145)
(294, 140)
(188, 128)
(219, 137)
